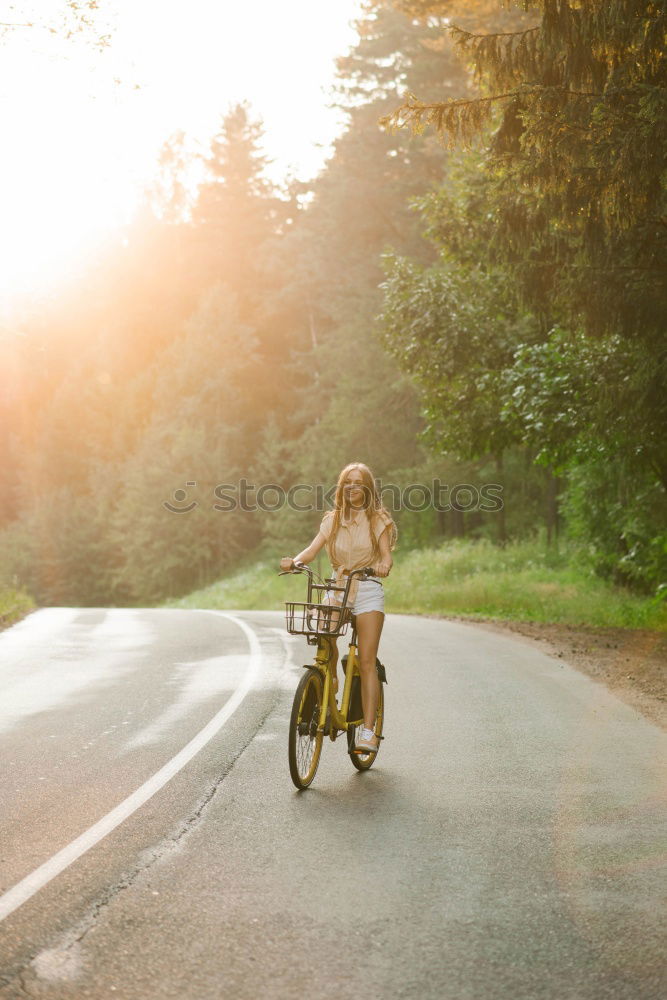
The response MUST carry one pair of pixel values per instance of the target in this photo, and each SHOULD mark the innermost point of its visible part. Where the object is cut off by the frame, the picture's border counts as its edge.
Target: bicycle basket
(316, 619)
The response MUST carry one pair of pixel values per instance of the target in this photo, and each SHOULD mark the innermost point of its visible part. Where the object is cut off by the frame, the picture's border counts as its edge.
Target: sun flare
(82, 128)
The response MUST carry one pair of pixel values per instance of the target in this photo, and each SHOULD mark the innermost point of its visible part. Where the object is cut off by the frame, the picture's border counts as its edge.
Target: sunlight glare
(83, 128)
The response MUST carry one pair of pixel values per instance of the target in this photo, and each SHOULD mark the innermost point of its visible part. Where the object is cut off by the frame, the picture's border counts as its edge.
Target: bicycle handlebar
(299, 567)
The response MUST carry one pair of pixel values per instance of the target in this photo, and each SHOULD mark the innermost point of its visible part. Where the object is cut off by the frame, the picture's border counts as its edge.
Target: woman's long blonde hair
(372, 505)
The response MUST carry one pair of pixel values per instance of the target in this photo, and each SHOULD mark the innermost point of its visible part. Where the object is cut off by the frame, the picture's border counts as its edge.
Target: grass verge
(524, 581)
(14, 605)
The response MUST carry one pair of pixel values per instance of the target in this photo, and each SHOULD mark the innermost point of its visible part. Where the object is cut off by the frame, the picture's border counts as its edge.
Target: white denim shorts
(370, 596)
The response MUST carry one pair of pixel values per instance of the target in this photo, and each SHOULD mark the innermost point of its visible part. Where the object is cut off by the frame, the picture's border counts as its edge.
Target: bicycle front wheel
(363, 761)
(305, 742)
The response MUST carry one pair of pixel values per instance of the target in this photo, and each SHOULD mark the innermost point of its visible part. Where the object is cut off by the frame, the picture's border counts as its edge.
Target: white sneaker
(366, 741)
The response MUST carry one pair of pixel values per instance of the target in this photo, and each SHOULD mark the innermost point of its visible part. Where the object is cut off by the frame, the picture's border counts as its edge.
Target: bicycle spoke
(305, 742)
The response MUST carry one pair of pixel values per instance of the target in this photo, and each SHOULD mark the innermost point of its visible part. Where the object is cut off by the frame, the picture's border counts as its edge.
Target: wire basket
(316, 619)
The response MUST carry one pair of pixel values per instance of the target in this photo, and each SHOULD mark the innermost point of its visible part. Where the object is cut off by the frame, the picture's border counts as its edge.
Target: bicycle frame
(338, 717)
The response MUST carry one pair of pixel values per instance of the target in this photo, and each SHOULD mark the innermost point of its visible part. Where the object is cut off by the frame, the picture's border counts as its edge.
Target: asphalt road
(509, 843)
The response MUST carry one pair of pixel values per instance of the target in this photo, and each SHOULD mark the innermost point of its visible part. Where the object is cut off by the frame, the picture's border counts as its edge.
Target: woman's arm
(383, 567)
(308, 553)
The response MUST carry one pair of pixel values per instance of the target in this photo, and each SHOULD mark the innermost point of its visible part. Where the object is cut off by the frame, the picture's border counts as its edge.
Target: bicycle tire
(362, 762)
(305, 742)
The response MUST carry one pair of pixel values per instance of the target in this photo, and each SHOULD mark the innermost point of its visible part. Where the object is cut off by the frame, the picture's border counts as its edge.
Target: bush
(621, 518)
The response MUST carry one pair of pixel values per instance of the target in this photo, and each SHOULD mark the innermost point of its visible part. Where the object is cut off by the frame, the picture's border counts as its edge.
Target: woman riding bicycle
(358, 532)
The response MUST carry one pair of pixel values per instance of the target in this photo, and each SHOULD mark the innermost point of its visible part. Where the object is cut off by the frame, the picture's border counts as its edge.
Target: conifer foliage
(578, 100)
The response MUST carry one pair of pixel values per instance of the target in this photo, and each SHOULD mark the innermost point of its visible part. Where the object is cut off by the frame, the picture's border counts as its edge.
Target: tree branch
(413, 104)
(494, 34)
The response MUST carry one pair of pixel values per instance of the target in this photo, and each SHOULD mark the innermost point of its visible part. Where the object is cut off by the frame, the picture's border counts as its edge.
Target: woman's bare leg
(369, 630)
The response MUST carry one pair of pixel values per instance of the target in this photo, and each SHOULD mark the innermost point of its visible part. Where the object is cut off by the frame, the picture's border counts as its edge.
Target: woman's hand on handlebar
(289, 565)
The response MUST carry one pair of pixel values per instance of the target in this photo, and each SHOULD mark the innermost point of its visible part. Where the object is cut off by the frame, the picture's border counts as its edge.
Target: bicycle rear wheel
(305, 742)
(363, 761)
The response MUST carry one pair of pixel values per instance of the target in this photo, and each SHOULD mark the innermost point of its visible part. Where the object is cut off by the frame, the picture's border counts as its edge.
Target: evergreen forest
(471, 294)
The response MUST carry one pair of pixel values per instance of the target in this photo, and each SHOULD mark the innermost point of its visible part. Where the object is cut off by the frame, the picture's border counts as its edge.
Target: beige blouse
(353, 548)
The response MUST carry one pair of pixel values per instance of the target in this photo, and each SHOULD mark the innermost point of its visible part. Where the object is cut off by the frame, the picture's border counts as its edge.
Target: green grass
(521, 582)
(14, 605)
(257, 588)
(524, 581)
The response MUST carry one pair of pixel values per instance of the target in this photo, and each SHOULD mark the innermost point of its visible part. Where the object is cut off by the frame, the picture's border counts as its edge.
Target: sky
(82, 129)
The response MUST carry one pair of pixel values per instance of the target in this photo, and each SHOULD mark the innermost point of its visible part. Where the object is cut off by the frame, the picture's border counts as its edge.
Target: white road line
(32, 883)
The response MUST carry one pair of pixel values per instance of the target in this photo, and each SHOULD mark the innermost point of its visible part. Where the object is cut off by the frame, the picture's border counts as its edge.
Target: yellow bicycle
(316, 713)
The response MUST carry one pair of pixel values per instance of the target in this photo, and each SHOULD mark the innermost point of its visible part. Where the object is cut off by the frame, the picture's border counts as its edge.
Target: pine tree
(578, 101)
(236, 165)
(236, 210)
